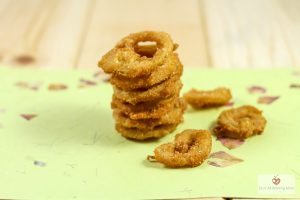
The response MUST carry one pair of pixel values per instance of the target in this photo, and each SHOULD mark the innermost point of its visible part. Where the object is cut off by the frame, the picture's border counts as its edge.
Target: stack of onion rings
(146, 83)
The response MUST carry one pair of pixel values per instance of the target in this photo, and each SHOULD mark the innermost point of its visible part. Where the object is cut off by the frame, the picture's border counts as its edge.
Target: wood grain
(60, 43)
(211, 33)
(114, 19)
(253, 33)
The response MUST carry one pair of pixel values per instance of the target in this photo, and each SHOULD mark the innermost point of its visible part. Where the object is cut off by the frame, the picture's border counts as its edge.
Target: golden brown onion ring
(164, 90)
(163, 72)
(145, 110)
(190, 149)
(240, 123)
(204, 99)
(125, 61)
(172, 117)
(140, 134)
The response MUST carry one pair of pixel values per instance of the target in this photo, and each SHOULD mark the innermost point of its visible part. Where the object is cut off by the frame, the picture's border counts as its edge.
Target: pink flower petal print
(222, 163)
(215, 164)
(229, 104)
(222, 159)
(267, 99)
(224, 156)
(257, 89)
(231, 143)
(28, 117)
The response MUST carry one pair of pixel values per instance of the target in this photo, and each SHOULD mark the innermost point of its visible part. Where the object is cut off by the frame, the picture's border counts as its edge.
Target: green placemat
(57, 139)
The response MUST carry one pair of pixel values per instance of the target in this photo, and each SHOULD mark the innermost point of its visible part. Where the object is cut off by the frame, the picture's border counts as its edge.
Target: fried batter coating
(190, 149)
(204, 99)
(171, 67)
(140, 134)
(175, 116)
(164, 90)
(240, 123)
(145, 110)
(125, 61)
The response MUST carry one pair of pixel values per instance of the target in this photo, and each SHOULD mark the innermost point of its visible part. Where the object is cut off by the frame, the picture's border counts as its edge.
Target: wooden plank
(4, 4)
(222, 33)
(49, 39)
(60, 42)
(112, 20)
(215, 26)
(249, 34)
(15, 19)
(289, 24)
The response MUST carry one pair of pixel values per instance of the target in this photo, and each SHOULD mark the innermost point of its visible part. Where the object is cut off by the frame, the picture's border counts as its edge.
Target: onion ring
(145, 110)
(164, 90)
(240, 123)
(124, 61)
(190, 149)
(172, 117)
(140, 134)
(163, 72)
(204, 99)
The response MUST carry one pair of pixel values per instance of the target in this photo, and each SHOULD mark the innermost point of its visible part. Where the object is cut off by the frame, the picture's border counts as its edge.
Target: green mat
(57, 139)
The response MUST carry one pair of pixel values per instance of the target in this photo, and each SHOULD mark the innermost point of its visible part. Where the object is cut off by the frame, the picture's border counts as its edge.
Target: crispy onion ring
(190, 149)
(172, 117)
(163, 72)
(204, 99)
(164, 90)
(140, 134)
(145, 110)
(125, 61)
(240, 123)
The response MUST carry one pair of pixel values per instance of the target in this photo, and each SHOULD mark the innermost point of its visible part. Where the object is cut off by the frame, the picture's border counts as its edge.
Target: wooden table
(211, 33)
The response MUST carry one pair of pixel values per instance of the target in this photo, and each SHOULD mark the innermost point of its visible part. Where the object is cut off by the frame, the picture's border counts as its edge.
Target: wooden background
(211, 33)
